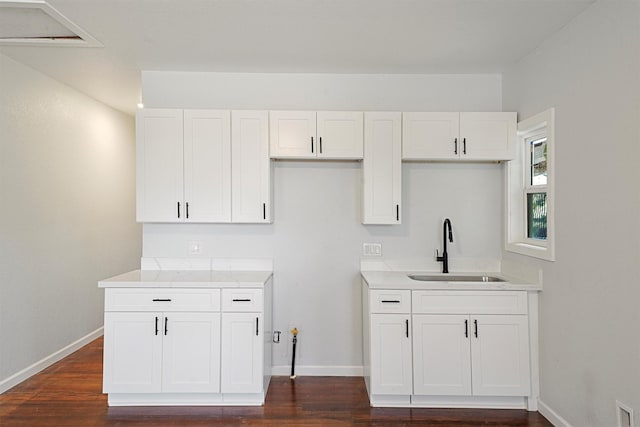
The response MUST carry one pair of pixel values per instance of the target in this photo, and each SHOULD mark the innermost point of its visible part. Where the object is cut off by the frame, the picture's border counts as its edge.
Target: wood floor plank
(69, 394)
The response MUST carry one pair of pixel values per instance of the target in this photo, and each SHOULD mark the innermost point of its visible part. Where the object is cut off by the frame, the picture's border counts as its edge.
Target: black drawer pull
(241, 300)
(166, 321)
(394, 301)
(257, 320)
(156, 325)
(162, 300)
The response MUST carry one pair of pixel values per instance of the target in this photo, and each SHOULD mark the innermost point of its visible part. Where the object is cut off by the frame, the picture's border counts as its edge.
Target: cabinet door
(251, 167)
(159, 177)
(242, 352)
(191, 352)
(340, 134)
(441, 355)
(390, 354)
(382, 169)
(207, 166)
(132, 352)
(293, 134)
(488, 136)
(500, 355)
(430, 136)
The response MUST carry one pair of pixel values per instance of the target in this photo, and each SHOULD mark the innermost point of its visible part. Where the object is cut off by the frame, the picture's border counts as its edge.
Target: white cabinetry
(449, 348)
(159, 165)
(189, 169)
(183, 165)
(243, 332)
(250, 167)
(389, 338)
(151, 351)
(308, 135)
(382, 169)
(173, 346)
(471, 342)
(459, 136)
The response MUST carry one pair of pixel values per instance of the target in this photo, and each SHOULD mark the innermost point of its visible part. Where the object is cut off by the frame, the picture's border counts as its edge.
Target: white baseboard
(30, 371)
(552, 415)
(319, 371)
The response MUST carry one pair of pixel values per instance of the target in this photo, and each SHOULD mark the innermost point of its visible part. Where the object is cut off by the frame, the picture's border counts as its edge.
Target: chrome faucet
(444, 259)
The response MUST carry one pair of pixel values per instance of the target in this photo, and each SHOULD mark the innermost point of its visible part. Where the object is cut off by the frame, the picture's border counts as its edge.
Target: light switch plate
(372, 249)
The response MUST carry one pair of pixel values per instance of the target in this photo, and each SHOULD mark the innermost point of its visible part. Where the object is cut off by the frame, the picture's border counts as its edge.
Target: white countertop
(400, 280)
(187, 279)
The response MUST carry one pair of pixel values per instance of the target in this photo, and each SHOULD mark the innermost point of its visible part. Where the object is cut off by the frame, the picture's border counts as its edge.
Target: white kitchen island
(450, 343)
(187, 337)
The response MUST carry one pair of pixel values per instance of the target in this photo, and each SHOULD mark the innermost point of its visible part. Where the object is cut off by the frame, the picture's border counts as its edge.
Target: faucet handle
(438, 257)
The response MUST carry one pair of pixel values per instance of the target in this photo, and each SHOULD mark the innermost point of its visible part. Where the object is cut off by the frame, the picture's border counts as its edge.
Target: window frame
(518, 185)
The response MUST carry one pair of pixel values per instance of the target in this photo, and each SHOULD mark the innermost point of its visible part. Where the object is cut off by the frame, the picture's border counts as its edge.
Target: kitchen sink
(450, 278)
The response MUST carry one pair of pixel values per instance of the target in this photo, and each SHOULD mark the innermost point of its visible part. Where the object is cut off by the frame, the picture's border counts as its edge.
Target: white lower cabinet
(390, 354)
(442, 355)
(162, 352)
(242, 337)
(165, 346)
(460, 355)
(450, 349)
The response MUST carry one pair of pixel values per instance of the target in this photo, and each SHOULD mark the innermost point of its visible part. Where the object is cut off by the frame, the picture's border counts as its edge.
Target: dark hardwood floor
(69, 393)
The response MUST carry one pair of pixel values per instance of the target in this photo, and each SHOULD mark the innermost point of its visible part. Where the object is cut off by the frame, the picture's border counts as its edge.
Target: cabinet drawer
(390, 301)
(469, 302)
(242, 300)
(161, 299)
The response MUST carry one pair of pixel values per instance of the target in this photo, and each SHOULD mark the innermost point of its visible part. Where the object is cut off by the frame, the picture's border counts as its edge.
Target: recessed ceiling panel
(37, 23)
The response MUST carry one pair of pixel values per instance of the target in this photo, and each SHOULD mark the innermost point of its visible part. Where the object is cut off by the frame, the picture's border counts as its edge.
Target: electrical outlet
(372, 249)
(624, 414)
(195, 248)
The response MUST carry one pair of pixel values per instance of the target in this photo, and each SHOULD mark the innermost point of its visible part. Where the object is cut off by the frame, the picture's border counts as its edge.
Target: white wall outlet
(624, 414)
(372, 249)
(195, 248)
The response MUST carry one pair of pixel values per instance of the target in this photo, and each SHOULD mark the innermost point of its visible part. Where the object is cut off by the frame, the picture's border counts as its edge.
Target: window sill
(541, 252)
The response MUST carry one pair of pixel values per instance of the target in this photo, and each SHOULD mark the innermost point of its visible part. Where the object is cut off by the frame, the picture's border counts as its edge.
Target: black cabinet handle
(166, 321)
(264, 211)
(464, 145)
(161, 300)
(178, 209)
(466, 328)
(186, 206)
(455, 146)
(475, 323)
(406, 322)
(312, 145)
(257, 320)
(320, 145)
(241, 300)
(394, 301)
(156, 325)
(397, 212)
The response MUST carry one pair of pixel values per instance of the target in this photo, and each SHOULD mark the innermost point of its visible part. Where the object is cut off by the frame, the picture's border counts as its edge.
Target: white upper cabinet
(159, 176)
(309, 135)
(382, 169)
(207, 166)
(340, 134)
(489, 136)
(251, 167)
(183, 164)
(430, 136)
(459, 136)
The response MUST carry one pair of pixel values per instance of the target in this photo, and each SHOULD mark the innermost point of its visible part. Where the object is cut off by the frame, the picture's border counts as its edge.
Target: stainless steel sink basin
(450, 278)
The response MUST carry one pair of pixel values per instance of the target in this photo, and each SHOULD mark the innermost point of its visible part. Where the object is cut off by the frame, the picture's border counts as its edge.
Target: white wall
(590, 311)
(316, 238)
(67, 187)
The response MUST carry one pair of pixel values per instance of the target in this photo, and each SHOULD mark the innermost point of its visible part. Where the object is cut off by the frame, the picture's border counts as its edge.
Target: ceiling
(297, 36)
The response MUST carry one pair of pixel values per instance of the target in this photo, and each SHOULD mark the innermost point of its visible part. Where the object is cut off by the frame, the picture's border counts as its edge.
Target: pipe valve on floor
(294, 332)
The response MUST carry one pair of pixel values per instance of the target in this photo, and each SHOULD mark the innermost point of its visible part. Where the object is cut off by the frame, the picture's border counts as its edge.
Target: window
(530, 189)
